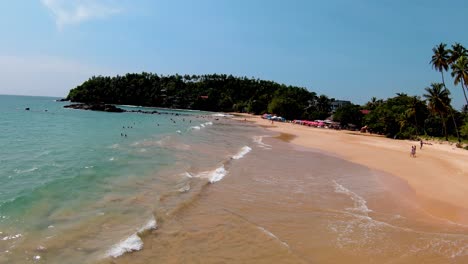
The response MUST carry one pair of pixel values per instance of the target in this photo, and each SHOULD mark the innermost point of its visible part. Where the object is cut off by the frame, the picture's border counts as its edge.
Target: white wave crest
(26, 171)
(244, 150)
(195, 128)
(150, 225)
(202, 125)
(12, 237)
(213, 175)
(130, 244)
(209, 123)
(222, 115)
(360, 204)
(133, 242)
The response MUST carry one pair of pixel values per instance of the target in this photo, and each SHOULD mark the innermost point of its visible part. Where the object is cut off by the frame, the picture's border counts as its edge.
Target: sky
(346, 49)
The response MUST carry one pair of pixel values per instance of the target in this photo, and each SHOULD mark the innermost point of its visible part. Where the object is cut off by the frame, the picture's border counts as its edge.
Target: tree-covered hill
(214, 92)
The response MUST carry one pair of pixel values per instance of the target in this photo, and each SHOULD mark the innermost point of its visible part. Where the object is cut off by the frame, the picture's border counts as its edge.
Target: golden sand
(438, 175)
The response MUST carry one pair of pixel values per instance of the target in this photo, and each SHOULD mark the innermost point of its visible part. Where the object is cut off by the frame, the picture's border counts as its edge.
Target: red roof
(365, 112)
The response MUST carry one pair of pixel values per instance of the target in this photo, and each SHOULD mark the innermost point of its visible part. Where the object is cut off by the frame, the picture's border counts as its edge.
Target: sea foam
(259, 141)
(131, 243)
(360, 204)
(213, 175)
(244, 151)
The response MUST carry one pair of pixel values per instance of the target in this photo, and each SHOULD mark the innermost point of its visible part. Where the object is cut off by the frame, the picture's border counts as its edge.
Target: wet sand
(283, 203)
(438, 175)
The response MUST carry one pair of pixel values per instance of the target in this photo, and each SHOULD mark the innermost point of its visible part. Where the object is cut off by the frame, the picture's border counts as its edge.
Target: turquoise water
(72, 186)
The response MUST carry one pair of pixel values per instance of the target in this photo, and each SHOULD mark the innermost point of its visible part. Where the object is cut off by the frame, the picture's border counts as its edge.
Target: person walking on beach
(422, 143)
(413, 151)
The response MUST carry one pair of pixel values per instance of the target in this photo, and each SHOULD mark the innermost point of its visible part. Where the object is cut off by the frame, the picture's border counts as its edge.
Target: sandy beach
(438, 175)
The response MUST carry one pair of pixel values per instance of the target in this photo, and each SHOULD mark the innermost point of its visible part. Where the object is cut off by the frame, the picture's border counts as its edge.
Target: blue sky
(346, 49)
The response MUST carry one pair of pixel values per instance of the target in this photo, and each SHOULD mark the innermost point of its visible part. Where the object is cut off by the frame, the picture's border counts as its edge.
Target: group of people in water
(171, 119)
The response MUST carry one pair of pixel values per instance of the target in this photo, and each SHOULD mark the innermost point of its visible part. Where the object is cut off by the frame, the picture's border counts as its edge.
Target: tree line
(212, 92)
(402, 116)
(432, 114)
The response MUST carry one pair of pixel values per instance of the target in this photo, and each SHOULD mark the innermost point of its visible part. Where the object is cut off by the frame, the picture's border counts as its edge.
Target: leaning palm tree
(460, 74)
(440, 59)
(438, 100)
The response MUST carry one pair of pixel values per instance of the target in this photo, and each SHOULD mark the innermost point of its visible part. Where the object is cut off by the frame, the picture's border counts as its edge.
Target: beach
(300, 196)
(438, 175)
(203, 187)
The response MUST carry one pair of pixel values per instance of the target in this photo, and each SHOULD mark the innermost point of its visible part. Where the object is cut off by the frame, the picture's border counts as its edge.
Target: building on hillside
(337, 104)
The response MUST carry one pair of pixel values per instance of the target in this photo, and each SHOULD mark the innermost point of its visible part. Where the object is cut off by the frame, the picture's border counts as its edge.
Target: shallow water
(196, 189)
(73, 186)
(284, 204)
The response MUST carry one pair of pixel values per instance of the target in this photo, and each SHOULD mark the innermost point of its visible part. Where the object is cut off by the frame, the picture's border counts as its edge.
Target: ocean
(195, 187)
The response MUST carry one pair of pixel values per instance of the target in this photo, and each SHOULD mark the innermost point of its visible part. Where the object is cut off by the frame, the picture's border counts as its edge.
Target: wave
(133, 242)
(5, 238)
(244, 151)
(150, 225)
(130, 244)
(184, 189)
(213, 176)
(17, 171)
(195, 128)
(112, 159)
(273, 236)
(360, 204)
(222, 115)
(259, 141)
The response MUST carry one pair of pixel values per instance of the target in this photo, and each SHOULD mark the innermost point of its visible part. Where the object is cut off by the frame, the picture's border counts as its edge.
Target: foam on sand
(259, 141)
(273, 236)
(360, 204)
(244, 151)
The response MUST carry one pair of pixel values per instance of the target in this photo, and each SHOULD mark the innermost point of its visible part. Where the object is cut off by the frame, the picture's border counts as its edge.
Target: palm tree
(440, 59)
(438, 101)
(456, 52)
(460, 73)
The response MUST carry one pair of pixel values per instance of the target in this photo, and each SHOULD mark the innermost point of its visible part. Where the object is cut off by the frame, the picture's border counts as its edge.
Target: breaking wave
(213, 176)
(244, 151)
(133, 242)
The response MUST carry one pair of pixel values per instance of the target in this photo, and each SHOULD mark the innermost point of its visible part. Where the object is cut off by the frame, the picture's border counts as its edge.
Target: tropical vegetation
(402, 116)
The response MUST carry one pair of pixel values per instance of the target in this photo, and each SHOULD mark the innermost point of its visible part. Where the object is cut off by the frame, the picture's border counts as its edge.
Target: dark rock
(27, 109)
(96, 107)
(62, 100)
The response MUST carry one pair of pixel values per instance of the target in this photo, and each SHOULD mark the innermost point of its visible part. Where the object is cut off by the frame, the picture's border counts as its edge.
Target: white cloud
(43, 75)
(69, 12)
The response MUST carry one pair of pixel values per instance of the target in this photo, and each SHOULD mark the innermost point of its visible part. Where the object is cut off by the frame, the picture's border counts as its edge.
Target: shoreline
(438, 175)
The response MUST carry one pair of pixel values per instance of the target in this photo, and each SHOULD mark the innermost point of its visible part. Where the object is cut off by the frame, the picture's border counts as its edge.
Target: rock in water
(96, 107)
